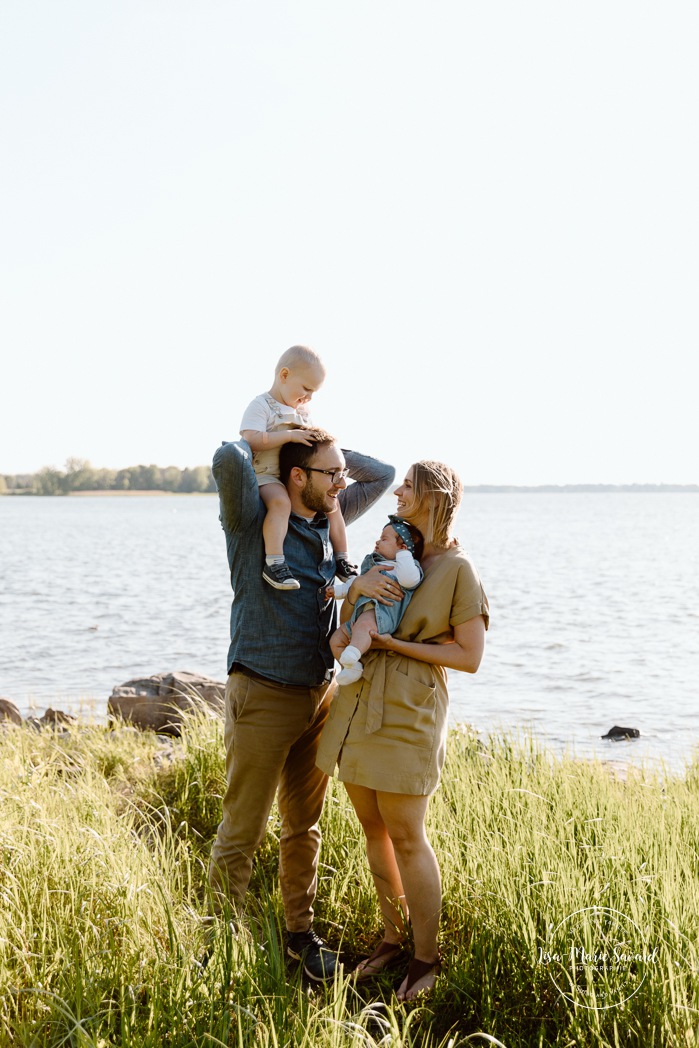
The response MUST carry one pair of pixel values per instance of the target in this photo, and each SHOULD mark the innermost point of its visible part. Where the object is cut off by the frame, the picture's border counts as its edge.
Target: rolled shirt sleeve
(372, 478)
(469, 597)
(238, 490)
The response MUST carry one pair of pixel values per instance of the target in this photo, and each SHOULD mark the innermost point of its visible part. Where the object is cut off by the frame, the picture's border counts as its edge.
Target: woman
(387, 731)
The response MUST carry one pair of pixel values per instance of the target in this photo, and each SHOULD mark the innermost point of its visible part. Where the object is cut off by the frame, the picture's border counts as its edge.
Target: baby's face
(299, 384)
(388, 544)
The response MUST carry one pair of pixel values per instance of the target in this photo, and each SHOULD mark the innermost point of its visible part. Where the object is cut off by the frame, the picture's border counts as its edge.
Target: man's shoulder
(237, 485)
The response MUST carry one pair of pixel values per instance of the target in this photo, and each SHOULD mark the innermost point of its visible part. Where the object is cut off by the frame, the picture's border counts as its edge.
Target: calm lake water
(594, 602)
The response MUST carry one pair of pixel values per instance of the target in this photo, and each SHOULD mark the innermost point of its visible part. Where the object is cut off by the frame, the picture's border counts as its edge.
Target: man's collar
(317, 518)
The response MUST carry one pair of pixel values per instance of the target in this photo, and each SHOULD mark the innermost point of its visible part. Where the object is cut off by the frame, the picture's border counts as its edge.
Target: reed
(104, 938)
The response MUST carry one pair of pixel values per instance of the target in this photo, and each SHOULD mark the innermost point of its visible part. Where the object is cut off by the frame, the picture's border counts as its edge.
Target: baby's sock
(350, 655)
(350, 672)
(275, 558)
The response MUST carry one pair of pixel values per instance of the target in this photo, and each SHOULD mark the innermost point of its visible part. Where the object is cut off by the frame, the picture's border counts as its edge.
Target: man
(280, 673)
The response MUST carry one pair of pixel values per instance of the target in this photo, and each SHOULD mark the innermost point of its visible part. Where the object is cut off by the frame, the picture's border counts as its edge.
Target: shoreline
(93, 714)
(469, 489)
(106, 492)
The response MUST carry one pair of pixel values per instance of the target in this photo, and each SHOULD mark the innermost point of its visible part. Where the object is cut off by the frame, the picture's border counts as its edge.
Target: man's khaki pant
(271, 736)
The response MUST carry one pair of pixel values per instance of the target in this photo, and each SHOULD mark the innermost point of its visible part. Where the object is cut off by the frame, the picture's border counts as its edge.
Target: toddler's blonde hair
(299, 356)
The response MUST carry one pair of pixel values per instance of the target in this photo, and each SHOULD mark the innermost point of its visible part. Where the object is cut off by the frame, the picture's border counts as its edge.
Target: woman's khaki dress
(388, 730)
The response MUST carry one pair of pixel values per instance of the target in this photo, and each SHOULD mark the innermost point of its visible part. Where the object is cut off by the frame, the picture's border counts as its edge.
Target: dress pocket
(409, 710)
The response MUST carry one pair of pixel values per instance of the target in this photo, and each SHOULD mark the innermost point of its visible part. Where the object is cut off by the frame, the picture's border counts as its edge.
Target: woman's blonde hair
(438, 490)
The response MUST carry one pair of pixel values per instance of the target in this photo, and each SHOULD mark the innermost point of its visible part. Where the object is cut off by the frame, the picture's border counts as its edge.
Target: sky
(483, 216)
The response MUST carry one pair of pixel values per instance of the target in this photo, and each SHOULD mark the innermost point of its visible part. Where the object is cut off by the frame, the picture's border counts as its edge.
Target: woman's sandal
(417, 970)
(385, 954)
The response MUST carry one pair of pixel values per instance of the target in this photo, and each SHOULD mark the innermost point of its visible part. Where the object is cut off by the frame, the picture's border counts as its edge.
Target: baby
(397, 552)
(275, 418)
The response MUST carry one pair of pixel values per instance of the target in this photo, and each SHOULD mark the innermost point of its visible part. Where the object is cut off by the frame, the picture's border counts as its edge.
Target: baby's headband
(400, 526)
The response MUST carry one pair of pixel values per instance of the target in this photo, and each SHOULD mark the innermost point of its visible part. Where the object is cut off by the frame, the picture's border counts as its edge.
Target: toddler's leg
(274, 528)
(352, 668)
(360, 631)
(344, 568)
(276, 520)
(339, 641)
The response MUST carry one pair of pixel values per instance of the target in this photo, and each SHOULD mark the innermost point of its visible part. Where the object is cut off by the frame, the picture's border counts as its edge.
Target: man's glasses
(336, 474)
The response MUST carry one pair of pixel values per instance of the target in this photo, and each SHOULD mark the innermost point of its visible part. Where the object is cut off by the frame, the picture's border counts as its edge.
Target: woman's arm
(463, 653)
(372, 583)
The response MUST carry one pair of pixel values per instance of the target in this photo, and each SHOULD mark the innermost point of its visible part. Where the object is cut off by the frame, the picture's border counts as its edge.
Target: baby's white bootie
(352, 668)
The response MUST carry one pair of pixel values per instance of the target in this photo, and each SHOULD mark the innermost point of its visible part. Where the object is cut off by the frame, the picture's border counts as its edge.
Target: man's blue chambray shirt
(284, 635)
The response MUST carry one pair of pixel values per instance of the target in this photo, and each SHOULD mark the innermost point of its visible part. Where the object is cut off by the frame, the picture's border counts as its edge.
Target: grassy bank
(104, 839)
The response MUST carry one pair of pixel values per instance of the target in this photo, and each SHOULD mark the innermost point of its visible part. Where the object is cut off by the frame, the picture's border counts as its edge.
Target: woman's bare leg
(382, 863)
(404, 819)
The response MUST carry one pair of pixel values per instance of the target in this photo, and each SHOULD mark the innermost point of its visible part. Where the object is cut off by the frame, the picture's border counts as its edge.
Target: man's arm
(371, 477)
(238, 491)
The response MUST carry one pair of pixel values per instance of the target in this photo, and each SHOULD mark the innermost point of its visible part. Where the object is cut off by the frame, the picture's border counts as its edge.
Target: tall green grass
(104, 838)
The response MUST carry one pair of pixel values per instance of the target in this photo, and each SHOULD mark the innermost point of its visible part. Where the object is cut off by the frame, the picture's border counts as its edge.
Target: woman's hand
(373, 583)
(381, 641)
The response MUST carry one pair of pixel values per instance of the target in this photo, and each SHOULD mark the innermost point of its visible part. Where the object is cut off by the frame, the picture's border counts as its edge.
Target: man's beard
(314, 500)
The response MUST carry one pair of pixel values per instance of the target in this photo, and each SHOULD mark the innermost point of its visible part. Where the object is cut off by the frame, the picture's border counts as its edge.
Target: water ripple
(594, 602)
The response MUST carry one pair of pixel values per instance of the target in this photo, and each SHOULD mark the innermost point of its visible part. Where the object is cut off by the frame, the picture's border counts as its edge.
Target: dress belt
(375, 676)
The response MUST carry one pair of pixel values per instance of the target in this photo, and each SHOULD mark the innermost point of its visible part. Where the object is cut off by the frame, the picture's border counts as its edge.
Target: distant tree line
(80, 475)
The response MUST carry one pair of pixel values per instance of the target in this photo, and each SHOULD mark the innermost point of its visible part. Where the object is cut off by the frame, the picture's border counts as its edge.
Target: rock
(9, 712)
(56, 718)
(616, 733)
(157, 702)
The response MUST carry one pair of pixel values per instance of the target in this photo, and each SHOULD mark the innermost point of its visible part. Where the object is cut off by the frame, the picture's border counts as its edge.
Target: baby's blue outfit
(388, 616)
